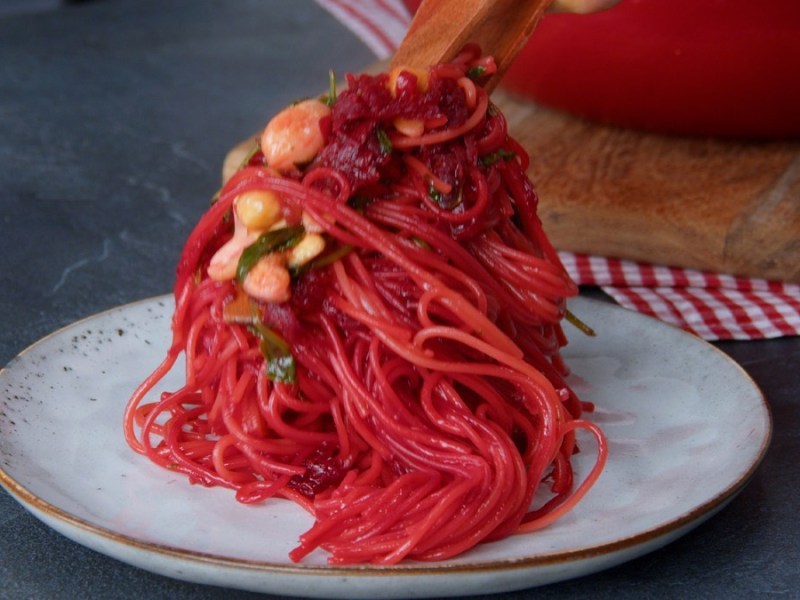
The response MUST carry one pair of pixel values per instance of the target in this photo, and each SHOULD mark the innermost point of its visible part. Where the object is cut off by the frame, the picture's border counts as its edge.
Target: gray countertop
(114, 119)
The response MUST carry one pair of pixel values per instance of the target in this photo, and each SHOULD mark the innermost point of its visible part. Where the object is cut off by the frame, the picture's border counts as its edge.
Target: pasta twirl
(369, 315)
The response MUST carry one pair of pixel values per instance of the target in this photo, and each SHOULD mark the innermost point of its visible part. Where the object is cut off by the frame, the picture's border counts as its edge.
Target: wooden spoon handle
(440, 29)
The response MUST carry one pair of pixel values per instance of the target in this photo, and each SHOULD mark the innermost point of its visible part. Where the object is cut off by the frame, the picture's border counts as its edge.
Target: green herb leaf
(330, 99)
(434, 194)
(280, 363)
(330, 257)
(282, 369)
(271, 241)
(447, 202)
(580, 325)
(421, 243)
(476, 72)
(496, 156)
(384, 141)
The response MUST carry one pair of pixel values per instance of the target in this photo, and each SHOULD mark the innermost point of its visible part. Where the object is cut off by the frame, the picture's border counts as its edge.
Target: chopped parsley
(496, 156)
(271, 241)
(384, 141)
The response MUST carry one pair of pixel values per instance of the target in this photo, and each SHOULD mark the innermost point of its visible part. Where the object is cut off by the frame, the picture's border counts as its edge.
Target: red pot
(703, 67)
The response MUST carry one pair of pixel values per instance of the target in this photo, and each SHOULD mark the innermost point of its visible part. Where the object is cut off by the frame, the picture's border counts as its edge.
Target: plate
(686, 427)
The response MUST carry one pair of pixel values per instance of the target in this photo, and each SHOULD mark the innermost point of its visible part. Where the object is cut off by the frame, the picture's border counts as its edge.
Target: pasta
(370, 318)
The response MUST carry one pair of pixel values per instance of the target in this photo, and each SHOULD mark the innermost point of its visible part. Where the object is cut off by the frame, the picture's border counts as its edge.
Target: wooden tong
(442, 27)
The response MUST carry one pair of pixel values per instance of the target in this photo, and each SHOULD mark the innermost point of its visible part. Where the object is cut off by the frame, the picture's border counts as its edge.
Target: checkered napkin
(713, 306)
(710, 305)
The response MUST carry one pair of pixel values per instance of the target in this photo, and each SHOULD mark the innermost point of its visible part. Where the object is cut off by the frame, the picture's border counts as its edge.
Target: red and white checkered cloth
(710, 305)
(380, 24)
(713, 306)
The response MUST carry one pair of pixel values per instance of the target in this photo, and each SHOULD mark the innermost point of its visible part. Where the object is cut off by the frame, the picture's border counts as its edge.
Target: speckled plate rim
(184, 564)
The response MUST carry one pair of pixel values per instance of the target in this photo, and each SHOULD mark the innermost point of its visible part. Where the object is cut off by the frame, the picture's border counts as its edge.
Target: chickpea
(258, 209)
(409, 127)
(307, 249)
(293, 136)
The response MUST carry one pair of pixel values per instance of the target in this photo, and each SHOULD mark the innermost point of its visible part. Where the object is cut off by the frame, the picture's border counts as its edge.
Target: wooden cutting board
(729, 207)
(723, 206)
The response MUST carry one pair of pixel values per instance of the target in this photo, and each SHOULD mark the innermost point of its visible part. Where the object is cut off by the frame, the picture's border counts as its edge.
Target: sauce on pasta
(370, 319)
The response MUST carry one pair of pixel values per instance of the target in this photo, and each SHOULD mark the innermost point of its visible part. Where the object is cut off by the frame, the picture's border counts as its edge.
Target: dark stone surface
(114, 119)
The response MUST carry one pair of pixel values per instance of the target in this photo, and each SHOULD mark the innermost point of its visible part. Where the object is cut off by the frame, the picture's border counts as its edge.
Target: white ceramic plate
(686, 427)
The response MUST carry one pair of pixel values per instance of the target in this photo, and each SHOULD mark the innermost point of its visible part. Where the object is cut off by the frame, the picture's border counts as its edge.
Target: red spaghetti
(370, 319)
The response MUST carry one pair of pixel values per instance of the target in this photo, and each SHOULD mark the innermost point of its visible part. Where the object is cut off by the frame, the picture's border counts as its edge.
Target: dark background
(115, 116)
